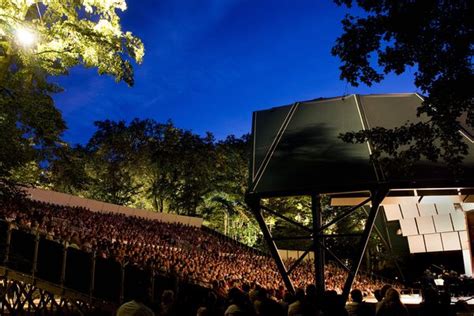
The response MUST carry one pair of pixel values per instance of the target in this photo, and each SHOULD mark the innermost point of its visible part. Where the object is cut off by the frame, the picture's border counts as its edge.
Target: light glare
(25, 37)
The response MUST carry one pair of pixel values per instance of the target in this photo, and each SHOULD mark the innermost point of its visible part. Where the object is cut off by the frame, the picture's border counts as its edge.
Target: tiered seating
(108, 255)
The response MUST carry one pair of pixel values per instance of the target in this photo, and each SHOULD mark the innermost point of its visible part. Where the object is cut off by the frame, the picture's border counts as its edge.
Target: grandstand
(69, 256)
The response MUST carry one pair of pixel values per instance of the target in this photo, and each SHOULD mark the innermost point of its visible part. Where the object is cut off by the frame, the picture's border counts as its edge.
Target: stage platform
(415, 299)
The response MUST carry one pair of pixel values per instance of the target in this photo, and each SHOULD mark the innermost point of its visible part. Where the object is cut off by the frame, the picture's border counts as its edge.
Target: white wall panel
(409, 210)
(416, 244)
(169, 218)
(283, 253)
(442, 199)
(467, 207)
(464, 237)
(425, 225)
(451, 241)
(443, 223)
(64, 199)
(195, 221)
(445, 208)
(467, 258)
(108, 207)
(293, 254)
(123, 210)
(433, 242)
(427, 209)
(459, 221)
(399, 200)
(74, 201)
(40, 195)
(81, 202)
(346, 201)
(392, 212)
(96, 205)
(408, 227)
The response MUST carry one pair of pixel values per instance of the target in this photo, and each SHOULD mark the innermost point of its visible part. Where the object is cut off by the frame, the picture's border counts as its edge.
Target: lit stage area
(415, 300)
(297, 150)
(429, 220)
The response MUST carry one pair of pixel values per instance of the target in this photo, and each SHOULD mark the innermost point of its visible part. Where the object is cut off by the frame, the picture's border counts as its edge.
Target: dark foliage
(435, 37)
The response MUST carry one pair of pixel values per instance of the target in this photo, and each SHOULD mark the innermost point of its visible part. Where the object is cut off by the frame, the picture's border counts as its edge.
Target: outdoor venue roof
(297, 149)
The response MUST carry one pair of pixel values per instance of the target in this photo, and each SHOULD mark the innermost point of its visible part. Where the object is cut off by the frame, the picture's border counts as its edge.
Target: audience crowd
(188, 252)
(240, 281)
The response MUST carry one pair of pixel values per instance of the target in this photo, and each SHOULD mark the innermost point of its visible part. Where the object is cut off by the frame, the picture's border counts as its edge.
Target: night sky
(209, 64)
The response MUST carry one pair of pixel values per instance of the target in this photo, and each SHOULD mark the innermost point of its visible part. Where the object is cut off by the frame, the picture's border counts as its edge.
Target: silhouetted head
(299, 294)
(378, 295)
(392, 296)
(311, 290)
(288, 297)
(141, 291)
(384, 289)
(235, 296)
(356, 296)
(167, 297)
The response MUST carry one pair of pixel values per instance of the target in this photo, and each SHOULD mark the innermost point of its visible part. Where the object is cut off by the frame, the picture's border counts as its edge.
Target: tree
(67, 171)
(117, 153)
(224, 208)
(39, 39)
(194, 170)
(55, 35)
(434, 36)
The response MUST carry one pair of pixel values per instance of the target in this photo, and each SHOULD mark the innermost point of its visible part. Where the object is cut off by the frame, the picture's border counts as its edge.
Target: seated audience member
(333, 304)
(430, 306)
(391, 305)
(237, 304)
(357, 307)
(378, 295)
(296, 308)
(136, 306)
(167, 305)
(311, 303)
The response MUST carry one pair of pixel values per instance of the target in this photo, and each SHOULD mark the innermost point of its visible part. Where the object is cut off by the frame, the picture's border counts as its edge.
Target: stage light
(25, 37)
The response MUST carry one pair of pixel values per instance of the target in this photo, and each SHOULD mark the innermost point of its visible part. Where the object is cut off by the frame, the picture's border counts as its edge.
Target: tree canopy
(41, 39)
(55, 35)
(436, 38)
(160, 167)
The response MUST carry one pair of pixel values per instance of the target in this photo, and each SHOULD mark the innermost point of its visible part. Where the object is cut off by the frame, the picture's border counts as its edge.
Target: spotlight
(25, 37)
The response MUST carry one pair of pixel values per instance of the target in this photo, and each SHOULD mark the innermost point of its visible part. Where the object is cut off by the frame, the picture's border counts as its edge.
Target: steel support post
(122, 283)
(92, 284)
(152, 285)
(318, 244)
(34, 269)
(63, 266)
(7, 246)
(376, 199)
(257, 211)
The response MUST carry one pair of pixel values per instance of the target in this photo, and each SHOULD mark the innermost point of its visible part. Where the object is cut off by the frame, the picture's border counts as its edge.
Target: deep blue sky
(210, 63)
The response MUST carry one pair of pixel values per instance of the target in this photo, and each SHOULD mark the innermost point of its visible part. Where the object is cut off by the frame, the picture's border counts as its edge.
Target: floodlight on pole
(25, 36)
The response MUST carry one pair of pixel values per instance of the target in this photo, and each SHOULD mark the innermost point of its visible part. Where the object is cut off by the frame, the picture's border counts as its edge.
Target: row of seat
(72, 268)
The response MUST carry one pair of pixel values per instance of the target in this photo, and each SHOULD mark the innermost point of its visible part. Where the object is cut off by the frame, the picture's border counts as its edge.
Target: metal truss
(315, 233)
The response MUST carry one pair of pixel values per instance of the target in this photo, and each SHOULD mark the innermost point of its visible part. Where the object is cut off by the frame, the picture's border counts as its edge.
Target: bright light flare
(25, 37)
